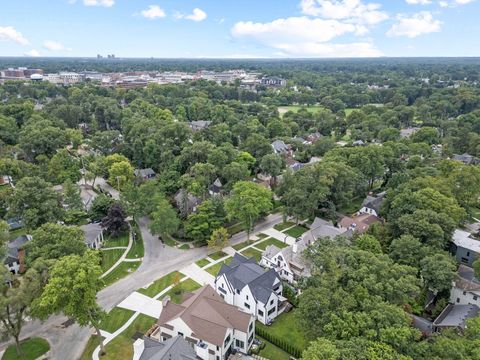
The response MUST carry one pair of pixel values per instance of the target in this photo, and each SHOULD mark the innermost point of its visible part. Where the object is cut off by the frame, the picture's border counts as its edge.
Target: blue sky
(240, 28)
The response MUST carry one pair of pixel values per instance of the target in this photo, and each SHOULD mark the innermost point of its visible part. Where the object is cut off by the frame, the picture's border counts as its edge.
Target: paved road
(158, 261)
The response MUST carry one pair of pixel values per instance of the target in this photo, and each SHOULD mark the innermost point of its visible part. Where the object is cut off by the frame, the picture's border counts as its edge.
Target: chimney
(294, 248)
(165, 300)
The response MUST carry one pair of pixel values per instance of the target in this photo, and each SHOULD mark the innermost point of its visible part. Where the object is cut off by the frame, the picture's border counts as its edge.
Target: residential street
(68, 343)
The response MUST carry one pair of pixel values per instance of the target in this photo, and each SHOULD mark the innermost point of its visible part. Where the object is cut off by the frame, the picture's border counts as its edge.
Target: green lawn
(272, 241)
(283, 225)
(115, 319)
(296, 231)
(202, 262)
(92, 344)
(176, 294)
(169, 241)
(213, 270)
(110, 257)
(272, 352)
(295, 108)
(122, 240)
(352, 207)
(32, 348)
(121, 348)
(217, 255)
(161, 284)
(252, 253)
(234, 229)
(286, 327)
(137, 251)
(120, 272)
(244, 244)
(262, 236)
(184, 247)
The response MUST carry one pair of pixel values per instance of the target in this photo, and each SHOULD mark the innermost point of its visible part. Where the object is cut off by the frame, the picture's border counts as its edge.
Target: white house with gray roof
(279, 147)
(465, 247)
(465, 288)
(247, 285)
(175, 348)
(372, 204)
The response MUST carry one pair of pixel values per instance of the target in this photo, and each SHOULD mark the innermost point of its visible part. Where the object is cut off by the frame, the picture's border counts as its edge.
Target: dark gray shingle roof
(176, 348)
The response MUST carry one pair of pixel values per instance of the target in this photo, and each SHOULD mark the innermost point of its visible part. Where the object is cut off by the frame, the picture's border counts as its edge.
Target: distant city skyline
(239, 28)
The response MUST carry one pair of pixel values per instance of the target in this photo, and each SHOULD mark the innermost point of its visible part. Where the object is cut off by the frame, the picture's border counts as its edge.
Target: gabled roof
(13, 248)
(176, 348)
(321, 228)
(466, 279)
(145, 172)
(199, 124)
(279, 146)
(246, 272)
(464, 239)
(374, 202)
(456, 315)
(465, 158)
(207, 315)
(91, 231)
(359, 223)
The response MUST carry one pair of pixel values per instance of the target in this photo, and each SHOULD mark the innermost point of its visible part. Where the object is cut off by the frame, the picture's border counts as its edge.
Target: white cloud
(104, 3)
(454, 3)
(54, 46)
(153, 12)
(8, 33)
(349, 10)
(415, 25)
(418, 2)
(32, 53)
(304, 36)
(196, 15)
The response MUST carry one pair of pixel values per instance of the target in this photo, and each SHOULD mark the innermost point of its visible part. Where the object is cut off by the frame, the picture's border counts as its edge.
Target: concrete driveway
(143, 304)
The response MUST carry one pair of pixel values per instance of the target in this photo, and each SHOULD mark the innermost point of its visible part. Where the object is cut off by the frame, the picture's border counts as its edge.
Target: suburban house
(15, 256)
(175, 348)
(215, 188)
(465, 247)
(467, 159)
(296, 166)
(247, 285)
(93, 235)
(321, 228)
(358, 223)
(144, 174)
(279, 147)
(313, 137)
(15, 223)
(288, 262)
(465, 287)
(199, 125)
(186, 202)
(372, 204)
(205, 320)
(455, 317)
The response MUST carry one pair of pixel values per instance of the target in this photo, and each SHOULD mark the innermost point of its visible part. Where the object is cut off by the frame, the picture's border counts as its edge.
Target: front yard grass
(32, 348)
(122, 270)
(244, 244)
(110, 257)
(115, 319)
(176, 294)
(122, 346)
(92, 344)
(122, 240)
(273, 352)
(137, 250)
(169, 241)
(202, 262)
(161, 284)
(213, 270)
(296, 231)
(272, 241)
(287, 328)
(283, 225)
(217, 255)
(184, 247)
(252, 253)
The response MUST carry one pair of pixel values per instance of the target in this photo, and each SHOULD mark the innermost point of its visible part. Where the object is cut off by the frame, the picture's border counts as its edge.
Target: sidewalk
(287, 239)
(199, 275)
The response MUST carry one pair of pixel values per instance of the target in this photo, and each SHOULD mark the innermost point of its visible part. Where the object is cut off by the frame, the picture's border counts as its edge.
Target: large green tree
(247, 202)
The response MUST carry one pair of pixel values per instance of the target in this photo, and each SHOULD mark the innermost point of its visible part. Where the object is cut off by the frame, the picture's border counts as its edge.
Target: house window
(227, 340)
(464, 260)
(272, 310)
(238, 292)
(247, 297)
(276, 288)
(246, 305)
(475, 297)
(180, 334)
(239, 344)
(222, 296)
(260, 313)
(464, 293)
(458, 300)
(250, 327)
(468, 253)
(271, 302)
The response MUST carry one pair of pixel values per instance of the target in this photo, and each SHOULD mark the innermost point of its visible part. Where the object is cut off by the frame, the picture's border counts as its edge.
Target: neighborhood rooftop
(464, 239)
